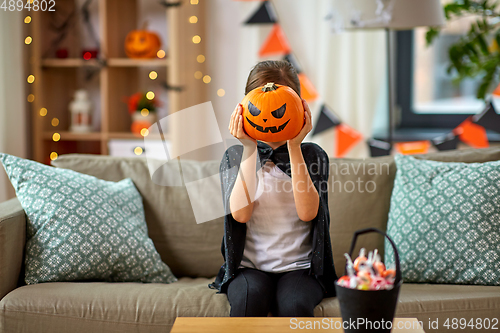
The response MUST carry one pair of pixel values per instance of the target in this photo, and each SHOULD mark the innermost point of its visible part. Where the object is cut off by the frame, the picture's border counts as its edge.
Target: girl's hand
(305, 129)
(236, 127)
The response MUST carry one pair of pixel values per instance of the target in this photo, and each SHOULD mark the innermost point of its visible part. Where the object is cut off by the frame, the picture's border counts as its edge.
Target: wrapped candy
(360, 261)
(378, 283)
(378, 265)
(367, 273)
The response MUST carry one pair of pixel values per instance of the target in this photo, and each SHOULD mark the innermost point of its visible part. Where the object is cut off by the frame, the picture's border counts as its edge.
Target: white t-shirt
(276, 240)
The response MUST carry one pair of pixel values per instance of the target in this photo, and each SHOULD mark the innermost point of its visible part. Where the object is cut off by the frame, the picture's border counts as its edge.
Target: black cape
(233, 241)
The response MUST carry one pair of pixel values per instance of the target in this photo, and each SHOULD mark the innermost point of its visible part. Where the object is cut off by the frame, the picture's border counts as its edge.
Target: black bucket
(369, 310)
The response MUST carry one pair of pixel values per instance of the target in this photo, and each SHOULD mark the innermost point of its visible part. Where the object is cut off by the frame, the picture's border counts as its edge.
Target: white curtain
(347, 69)
(13, 136)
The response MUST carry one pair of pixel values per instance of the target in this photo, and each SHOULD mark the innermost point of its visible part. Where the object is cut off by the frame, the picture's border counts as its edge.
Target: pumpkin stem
(145, 25)
(269, 87)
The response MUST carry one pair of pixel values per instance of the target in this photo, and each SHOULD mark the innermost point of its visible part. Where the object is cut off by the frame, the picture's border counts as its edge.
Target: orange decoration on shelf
(307, 89)
(142, 44)
(139, 125)
(272, 113)
(472, 134)
(345, 138)
(275, 44)
(414, 147)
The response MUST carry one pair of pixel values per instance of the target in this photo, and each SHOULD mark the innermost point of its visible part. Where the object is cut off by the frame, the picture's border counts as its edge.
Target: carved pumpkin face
(142, 44)
(272, 113)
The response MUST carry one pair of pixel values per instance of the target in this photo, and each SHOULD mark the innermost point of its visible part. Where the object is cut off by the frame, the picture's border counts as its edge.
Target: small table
(276, 325)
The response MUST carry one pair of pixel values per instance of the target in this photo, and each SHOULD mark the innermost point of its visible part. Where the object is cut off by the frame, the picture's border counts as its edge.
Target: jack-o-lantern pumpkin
(142, 44)
(272, 113)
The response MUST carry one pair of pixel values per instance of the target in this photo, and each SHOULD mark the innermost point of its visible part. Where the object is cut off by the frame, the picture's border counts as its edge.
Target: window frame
(404, 91)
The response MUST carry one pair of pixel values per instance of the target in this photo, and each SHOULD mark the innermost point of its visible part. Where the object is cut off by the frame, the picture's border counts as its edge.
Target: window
(426, 93)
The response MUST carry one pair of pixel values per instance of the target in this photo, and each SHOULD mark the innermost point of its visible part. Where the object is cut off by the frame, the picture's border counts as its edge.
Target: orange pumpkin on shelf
(272, 113)
(142, 44)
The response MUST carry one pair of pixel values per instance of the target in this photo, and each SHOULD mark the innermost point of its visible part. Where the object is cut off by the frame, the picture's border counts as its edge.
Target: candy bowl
(368, 292)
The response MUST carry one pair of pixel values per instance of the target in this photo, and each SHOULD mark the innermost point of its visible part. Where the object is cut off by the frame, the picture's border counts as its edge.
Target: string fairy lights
(138, 151)
(196, 39)
(31, 97)
(161, 54)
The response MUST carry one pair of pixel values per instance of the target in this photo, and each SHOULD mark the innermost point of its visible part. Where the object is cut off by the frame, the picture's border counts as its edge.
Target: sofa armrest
(12, 241)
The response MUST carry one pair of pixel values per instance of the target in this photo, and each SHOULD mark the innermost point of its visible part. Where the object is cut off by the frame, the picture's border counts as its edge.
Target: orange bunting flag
(414, 147)
(472, 134)
(275, 44)
(307, 89)
(345, 138)
(496, 92)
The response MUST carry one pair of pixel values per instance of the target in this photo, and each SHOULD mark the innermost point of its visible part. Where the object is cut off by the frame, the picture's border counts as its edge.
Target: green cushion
(445, 221)
(83, 228)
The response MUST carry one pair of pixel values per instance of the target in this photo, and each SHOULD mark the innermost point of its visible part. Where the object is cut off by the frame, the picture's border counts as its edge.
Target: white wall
(13, 138)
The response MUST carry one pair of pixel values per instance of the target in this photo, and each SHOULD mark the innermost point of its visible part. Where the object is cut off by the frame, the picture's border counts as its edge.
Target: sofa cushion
(431, 302)
(192, 249)
(83, 228)
(135, 307)
(445, 221)
(108, 307)
(365, 208)
(188, 248)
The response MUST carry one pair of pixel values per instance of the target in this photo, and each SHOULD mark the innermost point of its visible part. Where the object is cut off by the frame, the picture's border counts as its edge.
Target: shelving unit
(114, 75)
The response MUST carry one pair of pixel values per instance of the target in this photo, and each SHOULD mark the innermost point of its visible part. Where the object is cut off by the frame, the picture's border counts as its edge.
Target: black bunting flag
(488, 118)
(264, 14)
(292, 60)
(326, 120)
(379, 148)
(446, 142)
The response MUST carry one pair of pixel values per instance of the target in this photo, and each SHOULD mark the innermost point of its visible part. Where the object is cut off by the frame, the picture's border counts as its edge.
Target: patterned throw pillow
(83, 228)
(445, 221)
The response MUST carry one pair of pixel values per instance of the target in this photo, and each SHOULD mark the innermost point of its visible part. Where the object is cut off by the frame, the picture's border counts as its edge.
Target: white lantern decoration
(80, 108)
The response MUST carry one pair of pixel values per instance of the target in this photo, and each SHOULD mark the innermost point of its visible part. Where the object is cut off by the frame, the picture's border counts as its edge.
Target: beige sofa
(193, 253)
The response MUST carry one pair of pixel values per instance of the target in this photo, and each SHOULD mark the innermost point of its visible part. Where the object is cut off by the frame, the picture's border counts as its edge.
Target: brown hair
(277, 71)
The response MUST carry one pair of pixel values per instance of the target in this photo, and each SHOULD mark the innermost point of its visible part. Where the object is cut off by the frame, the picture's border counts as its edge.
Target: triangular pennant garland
(326, 120)
(345, 139)
(307, 89)
(496, 92)
(472, 134)
(472, 131)
(415, 147)
(275, 44)
(379, 148)
(446, 142)
(264, 14)
(291, 59)
(488, 118)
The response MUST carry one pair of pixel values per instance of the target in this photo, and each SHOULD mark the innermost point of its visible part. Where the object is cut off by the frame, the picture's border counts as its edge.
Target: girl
(276, 242)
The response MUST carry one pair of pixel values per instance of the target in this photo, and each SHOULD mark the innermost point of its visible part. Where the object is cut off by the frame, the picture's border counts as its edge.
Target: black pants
(254, 293)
